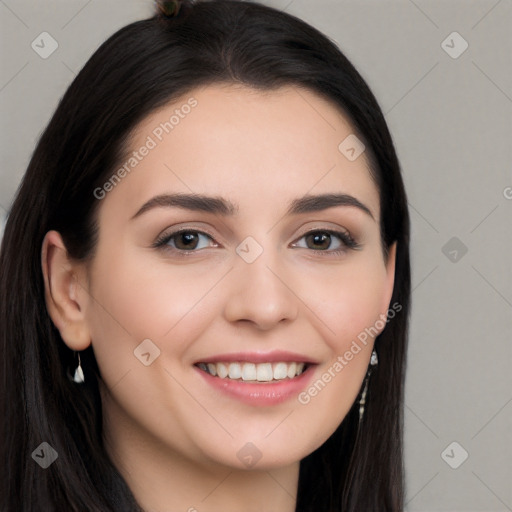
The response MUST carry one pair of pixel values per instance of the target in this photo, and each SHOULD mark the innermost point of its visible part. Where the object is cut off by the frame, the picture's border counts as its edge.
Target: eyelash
(346, 239)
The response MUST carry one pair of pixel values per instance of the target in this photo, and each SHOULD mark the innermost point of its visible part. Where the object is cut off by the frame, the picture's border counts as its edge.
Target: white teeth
(235, 371)
(292, 370)
(222, 371)
(249, 371)
(280, 371)
(262, 372)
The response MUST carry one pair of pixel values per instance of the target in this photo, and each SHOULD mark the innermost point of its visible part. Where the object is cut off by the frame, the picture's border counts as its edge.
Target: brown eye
(319, 240)
(331, 242)
(184, 240)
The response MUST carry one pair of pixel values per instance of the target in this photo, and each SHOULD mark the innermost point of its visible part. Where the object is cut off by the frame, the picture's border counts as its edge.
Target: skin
(173, 437)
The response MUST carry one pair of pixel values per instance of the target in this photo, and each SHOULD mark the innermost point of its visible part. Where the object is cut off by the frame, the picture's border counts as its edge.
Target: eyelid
(324, 228)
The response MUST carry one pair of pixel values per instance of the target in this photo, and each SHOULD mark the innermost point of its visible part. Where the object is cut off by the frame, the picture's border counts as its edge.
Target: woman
(205, 306)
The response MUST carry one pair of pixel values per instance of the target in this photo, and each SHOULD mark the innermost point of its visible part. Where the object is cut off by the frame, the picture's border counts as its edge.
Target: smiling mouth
(254, 372)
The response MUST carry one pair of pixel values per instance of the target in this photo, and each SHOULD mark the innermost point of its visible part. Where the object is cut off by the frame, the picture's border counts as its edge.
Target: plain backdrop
(441, 71)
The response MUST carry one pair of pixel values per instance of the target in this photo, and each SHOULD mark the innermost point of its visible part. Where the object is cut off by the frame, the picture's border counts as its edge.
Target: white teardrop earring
(79, 373)
(374, 361)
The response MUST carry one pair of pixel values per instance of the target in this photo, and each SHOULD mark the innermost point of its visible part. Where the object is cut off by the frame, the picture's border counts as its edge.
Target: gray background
(451, 119)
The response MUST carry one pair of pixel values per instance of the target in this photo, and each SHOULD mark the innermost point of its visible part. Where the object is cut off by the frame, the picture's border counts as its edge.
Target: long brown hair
(137, 70)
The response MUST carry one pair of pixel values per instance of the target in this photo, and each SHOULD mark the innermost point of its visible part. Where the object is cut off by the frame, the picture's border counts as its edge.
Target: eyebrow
(221, 206)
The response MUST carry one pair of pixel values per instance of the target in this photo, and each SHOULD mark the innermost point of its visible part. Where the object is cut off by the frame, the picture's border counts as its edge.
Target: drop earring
(374, 361)
(79, 373)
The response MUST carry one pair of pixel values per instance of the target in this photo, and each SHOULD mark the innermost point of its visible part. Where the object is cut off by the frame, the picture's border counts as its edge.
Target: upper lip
(275, 356)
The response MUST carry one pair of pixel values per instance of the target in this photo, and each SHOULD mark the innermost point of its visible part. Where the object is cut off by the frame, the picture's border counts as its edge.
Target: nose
(260, 293)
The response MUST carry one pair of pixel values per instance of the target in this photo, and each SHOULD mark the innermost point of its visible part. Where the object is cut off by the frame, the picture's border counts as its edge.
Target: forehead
(256, 147)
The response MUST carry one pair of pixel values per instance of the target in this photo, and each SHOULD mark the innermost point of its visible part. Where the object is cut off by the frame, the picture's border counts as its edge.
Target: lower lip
(264, 393)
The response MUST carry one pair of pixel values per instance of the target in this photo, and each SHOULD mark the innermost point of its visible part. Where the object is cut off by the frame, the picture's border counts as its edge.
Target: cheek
(149, 299)
(349, 301)
(349, 306)
(134, 300)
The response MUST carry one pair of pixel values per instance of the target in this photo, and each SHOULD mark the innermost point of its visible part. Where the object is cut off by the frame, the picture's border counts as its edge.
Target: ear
(390, 278)
(65, 294)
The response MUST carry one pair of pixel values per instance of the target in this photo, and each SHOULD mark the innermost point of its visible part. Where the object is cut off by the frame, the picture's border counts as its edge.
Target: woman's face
(259, 285)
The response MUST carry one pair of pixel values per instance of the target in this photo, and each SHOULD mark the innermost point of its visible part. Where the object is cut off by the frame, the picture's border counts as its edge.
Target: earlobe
(64, 301)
